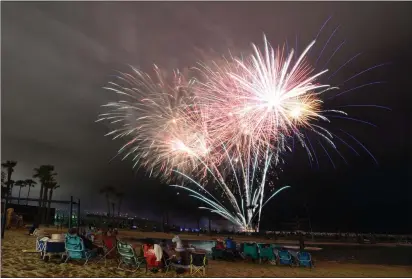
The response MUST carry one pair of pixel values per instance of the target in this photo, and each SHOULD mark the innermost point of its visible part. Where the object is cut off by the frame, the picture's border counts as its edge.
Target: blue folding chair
(304, 259)
(51, 248)
(285, 258)
(75, 249)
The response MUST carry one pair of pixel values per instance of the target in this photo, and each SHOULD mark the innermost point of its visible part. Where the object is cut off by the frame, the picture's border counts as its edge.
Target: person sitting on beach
(219, 244)
(230, 244)
(72, 231)
(33, 228)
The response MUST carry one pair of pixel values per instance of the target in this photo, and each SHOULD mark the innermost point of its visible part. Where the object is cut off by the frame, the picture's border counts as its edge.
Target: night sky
(56, 57)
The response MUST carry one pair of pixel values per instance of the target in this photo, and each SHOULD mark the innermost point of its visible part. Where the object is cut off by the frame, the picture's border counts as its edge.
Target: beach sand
(15, 263)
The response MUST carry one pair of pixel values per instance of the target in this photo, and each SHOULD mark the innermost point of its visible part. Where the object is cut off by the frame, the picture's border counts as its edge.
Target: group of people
(227, 244)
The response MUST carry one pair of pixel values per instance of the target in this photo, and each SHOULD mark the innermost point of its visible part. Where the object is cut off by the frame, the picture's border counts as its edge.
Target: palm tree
(52, 185)
(119, 197)
(30, 183)
(107, 191)
(45, 174)
(21, 184)
(3, 184)
(9, 166)
(113, 204)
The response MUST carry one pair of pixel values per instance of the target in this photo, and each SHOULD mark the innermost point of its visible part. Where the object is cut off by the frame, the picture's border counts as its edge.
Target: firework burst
(229, 127)
(162, 125)
(264, 99)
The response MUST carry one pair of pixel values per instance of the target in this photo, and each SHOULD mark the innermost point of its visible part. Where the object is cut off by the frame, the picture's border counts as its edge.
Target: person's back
(230, 243)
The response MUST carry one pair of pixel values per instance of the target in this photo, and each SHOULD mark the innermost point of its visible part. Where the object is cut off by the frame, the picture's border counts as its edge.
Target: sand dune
(15, 263)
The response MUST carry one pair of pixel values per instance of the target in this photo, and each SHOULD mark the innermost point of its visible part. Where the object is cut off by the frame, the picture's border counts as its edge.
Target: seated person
(150, 255)
(72, 231)
(33, 228)
(219, 245)
(230, 244)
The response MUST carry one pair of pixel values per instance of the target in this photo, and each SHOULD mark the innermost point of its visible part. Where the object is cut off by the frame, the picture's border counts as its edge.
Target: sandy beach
(15, 263)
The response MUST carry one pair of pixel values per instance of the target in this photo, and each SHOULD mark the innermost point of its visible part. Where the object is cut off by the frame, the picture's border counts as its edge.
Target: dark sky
(56, 57)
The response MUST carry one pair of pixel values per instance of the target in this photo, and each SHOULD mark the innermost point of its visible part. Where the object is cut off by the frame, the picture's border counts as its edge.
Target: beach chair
(250, 250)
(198, 263)
(218, 253)
(128, 257)
(40, 243)
(167, 261)
(304, 259)
(52, 248)
(231, 249)
(75, 249)
(266, 252)
(108, 245)
(285, 258)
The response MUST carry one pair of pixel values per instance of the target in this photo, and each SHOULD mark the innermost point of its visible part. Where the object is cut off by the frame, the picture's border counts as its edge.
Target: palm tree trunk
(45, 190)
(41, 194)
(18, 201)
(118, 208)
(45, 197)
(40, 212)
(28, 194)
(48, 205)
(9, 185)
(108, 204)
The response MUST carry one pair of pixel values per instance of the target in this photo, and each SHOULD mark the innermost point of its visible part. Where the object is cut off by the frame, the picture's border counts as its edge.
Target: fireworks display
(157, 116)
(229, 127)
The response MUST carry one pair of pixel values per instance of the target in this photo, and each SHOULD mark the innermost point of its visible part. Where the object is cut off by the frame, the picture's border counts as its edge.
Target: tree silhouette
(9, 166)
(3, 183)
(45, 174)
(119, 201)
(30, 183)
(51, 186)
(108, 191)
(21, 184)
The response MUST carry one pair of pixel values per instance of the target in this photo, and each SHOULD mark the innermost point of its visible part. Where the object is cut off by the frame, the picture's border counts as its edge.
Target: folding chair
(108, 244)
(128, 257)
(285, 258)
(52, 248)
(250, 250)
(75, 249)
(198, 263)
(266, 252)
(40, 243)
(167, 261)
(304, 259)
